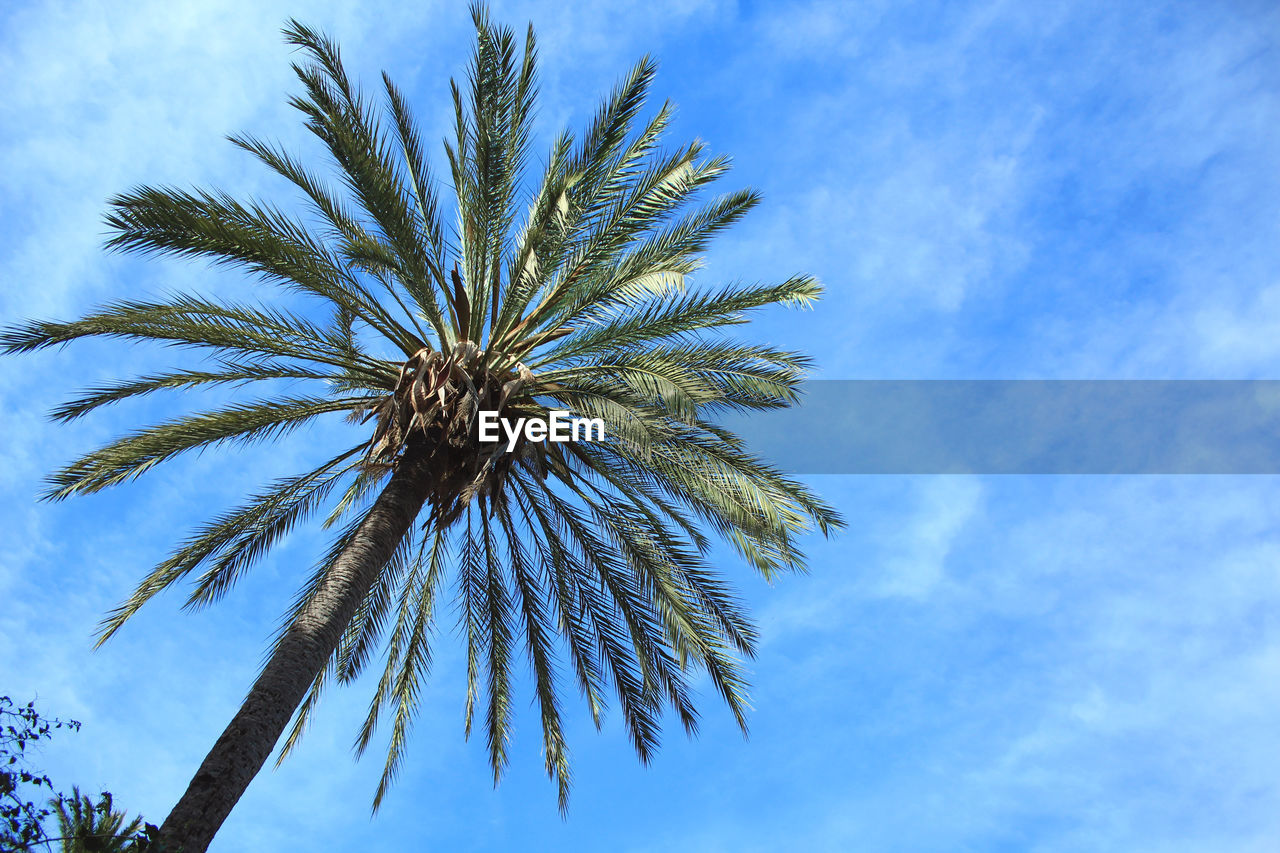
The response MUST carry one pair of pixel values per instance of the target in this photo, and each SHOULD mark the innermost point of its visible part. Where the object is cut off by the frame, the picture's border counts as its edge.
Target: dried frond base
(435, 408)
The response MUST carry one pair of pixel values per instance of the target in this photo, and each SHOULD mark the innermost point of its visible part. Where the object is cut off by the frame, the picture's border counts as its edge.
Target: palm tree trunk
(249, 740)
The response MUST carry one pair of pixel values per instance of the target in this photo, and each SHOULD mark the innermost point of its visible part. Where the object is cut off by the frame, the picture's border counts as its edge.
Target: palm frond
(575, 288)
(235, 538)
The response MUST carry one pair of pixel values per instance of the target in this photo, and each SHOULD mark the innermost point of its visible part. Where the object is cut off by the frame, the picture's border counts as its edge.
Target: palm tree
(85, 826)
(592, 556)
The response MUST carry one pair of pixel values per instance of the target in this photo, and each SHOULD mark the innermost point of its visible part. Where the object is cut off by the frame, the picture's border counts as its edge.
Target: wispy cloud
(987, 189)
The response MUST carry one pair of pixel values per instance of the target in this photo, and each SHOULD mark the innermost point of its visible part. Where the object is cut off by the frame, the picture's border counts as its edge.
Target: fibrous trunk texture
(249, 740)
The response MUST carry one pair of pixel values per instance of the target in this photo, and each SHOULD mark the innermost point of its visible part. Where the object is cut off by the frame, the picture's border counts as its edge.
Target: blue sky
(988, 190)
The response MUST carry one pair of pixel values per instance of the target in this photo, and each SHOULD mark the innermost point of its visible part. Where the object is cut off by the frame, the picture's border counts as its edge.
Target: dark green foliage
(82, 824)
(569, 289)
(21, 815)
(86, 825)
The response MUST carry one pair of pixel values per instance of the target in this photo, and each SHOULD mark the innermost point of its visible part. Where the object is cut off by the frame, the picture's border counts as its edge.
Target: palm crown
(88, 826)
(569, 291)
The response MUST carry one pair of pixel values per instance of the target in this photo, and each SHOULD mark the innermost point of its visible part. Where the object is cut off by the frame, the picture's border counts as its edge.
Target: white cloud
(1242, 338)
(915, 559)
(973, 657)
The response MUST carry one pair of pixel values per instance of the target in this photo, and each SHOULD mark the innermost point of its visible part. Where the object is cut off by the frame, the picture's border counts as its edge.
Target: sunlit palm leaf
(589, 562)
